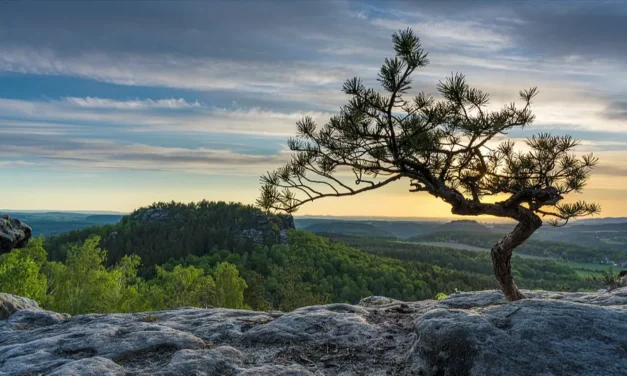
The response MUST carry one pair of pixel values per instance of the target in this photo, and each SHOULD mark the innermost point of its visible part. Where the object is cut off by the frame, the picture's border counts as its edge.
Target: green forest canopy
(239, 274)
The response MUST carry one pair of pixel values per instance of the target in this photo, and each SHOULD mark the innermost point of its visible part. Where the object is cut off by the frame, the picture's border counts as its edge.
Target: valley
(285, 262)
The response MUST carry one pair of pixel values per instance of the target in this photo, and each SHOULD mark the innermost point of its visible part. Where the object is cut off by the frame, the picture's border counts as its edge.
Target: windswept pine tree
(446, 147)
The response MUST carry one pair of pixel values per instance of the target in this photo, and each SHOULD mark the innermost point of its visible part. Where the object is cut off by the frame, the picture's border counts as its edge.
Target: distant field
(582, 269)
(587, 269)
(464, 247)
(613, 241)
(467, 247)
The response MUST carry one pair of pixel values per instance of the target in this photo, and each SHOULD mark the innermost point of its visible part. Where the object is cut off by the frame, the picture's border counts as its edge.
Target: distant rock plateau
(475, 333)
(263, 226)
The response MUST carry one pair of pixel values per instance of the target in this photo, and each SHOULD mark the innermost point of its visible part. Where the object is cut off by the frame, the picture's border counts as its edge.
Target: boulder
(479, 333)
(533, 337)
(13, 233)
(30, 319)
(9, 304)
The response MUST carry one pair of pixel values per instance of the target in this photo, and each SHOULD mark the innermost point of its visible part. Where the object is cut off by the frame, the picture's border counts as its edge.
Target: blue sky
(114, 105)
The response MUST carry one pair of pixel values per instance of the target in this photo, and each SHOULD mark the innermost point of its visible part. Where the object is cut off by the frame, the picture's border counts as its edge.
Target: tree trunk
(501, 261)
(501, 255)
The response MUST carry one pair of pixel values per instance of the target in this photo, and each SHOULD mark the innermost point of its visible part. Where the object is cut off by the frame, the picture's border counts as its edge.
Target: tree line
(310, 270)
(83, 284)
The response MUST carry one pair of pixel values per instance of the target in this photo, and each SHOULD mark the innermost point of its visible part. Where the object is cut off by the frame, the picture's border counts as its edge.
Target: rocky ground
(466, 334)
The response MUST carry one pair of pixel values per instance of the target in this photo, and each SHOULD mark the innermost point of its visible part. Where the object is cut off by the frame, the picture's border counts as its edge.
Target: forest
(539, 248)
(198, 255)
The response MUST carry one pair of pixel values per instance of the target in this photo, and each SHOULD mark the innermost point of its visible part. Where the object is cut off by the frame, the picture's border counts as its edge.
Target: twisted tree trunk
(501, 254)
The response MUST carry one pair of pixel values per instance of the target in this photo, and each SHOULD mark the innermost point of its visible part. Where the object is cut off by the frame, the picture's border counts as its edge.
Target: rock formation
(273, 226)
(9, 304)
(475, 333)
(262, 227)
(13, 233)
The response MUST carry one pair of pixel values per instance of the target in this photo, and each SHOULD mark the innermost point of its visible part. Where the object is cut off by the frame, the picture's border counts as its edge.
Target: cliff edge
(474, 333)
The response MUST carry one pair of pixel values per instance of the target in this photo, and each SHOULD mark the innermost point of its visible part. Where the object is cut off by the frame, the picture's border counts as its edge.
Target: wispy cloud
(101, 154)
(172, 71)
(445, 33)
(106, 103)
(141, 116)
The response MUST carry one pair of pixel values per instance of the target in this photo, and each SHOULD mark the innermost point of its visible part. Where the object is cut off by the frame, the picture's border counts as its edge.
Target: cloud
(593, 29)
(165, 70)
(147, 115)
(442, 33)
(616, 110)
(105, 103)
(242, 30)
(610, 169)
(15, 163)
(590, 29)
(71, 153)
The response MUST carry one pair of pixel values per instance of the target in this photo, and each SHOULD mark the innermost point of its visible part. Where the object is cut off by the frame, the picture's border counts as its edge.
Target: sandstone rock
(9, 304)
(465, 334)
(13, 233)
(377, 301)
(150, 215)
(255, 235)
(475, 299)
(283, 237)
(90, 366)
(30, 319)
(533, 337)
(272, 227)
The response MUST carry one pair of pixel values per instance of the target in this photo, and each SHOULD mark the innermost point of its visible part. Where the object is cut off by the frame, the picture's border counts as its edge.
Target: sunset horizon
(191, 108)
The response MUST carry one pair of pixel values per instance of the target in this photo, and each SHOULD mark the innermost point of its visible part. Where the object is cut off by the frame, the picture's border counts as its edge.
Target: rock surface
(13, 233)
(9, 304)
(465, 334)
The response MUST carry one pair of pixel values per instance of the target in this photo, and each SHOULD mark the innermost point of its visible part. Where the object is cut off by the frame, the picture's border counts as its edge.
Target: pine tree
(446, 147)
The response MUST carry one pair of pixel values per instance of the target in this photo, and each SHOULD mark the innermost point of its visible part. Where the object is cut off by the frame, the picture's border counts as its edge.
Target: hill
(603, 238)
(600, 221)
(556, 250)
(350, 228)
(171, 230)
(406, 229)
(55, 223)
(462, 225)
(401, 229)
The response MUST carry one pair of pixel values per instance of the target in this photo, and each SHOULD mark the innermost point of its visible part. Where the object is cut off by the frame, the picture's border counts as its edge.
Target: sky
(115, 105)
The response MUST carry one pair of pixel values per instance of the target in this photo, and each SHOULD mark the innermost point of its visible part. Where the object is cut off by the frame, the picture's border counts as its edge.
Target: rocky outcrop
(269, 226)
(13, 233)
(153, 215)
(260, 227)
(9, 304)
(465, 334)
